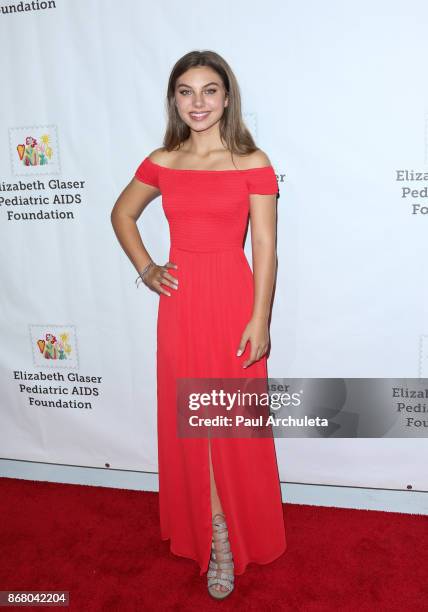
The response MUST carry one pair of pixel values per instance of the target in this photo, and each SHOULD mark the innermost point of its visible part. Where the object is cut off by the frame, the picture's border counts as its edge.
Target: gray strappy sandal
(225, 578)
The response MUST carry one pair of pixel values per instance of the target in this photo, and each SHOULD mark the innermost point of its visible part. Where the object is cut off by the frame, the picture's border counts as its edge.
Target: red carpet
(103, 546)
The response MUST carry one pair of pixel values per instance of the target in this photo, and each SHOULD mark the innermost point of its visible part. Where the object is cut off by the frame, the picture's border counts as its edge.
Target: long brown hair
(233, 131)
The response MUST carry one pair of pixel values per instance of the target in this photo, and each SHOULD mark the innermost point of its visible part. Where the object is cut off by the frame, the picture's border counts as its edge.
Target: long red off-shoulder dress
(199, 328)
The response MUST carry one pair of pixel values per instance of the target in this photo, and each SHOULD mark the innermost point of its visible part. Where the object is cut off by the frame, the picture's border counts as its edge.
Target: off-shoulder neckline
(202, 170)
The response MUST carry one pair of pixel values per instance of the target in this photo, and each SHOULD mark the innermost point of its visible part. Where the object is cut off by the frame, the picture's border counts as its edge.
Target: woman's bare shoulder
(157, 155)
(160, 156)
(256, 159)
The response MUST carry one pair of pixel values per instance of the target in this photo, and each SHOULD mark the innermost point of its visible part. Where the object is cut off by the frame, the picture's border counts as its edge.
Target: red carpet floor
(103, 546)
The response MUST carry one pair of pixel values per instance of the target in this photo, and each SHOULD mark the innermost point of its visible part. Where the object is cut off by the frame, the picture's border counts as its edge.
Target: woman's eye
(212, 90)
(184, 91)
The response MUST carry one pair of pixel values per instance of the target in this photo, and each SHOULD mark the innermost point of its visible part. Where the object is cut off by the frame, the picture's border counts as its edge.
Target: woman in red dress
(219, 498)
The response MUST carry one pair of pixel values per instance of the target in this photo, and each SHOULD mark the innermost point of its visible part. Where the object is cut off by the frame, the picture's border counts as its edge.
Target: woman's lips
(199, 116)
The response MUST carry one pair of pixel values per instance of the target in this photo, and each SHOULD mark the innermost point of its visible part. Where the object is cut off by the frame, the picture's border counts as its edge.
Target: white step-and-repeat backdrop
(335, 92)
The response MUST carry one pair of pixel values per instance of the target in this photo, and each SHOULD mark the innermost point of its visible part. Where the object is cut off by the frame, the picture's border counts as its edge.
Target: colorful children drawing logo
(52, 348)
(35, 152)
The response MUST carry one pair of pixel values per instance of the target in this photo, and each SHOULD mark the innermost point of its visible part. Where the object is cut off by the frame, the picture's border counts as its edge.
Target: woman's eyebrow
(184, 84)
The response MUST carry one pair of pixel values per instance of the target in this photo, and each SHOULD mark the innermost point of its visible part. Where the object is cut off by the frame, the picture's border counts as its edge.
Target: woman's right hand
(158, 275)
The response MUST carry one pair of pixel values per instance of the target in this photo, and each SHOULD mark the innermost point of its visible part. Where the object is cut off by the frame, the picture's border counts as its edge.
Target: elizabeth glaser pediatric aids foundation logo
(34, 150)
(54, 346)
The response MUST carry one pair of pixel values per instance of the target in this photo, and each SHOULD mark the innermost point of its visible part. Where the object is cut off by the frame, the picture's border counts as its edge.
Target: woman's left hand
(257, 332)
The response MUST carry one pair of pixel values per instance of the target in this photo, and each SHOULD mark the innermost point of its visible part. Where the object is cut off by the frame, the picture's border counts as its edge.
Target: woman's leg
(216, 508)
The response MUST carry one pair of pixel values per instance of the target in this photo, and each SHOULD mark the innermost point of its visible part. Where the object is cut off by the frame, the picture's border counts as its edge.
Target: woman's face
(200, 97)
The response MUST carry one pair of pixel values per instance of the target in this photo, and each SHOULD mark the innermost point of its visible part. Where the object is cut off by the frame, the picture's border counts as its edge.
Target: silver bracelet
(143, 272)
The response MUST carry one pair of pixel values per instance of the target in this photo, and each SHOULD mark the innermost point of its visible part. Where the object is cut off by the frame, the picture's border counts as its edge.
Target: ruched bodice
(207, 210)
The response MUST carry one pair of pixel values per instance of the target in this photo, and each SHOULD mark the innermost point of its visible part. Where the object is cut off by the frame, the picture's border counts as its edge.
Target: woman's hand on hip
(158, 276)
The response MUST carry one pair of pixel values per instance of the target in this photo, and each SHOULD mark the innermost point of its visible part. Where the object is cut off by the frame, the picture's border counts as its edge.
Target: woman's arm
(263, 242)
(126, 211)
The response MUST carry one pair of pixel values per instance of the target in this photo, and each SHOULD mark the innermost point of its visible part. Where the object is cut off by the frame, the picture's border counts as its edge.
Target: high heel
(226, 563)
